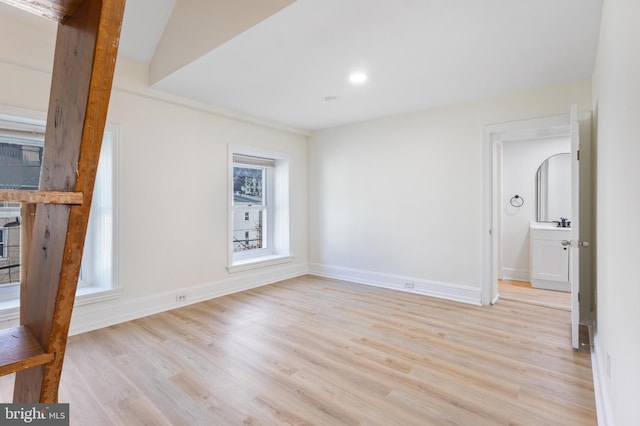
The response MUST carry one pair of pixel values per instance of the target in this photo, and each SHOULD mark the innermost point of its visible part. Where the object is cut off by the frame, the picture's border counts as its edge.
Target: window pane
(248, 185)
(19, 169)
(19, 165)
(248, 235)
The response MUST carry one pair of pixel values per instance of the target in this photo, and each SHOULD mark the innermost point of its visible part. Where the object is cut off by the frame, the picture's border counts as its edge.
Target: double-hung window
(252, 205)
(21, 149)
(259, 210)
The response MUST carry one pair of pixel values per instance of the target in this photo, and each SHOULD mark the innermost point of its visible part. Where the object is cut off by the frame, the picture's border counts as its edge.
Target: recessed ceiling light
(358, 78)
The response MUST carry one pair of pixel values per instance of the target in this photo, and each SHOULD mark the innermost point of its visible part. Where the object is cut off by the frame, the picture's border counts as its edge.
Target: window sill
(259, 262)
(93, 294)
(10, 309)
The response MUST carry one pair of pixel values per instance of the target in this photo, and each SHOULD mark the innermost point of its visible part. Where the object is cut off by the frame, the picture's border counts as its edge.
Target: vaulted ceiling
(288, 61)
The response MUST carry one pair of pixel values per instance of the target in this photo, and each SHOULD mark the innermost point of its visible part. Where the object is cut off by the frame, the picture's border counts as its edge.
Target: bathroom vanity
(549, 257)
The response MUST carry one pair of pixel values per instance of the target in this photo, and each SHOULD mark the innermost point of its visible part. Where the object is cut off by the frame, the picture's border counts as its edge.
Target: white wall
(617, 102)
(173, 185)
(401, 199)
(521, 159)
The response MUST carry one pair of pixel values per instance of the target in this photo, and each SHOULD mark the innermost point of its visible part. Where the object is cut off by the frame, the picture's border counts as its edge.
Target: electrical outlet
(409, 284)
(181, 297)
(608, 365)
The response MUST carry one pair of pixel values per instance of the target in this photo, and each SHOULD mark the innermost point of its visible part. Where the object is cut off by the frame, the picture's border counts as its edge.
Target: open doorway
(512, 204)
(534, 187)
(513, 199)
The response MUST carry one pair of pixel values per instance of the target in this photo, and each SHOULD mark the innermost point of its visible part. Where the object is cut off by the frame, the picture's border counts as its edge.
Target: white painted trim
(92, 294)
(498, 174)
(99, 316)
(604, 410)
(259, 262)
(10, 309)
(9, 312)
(515, 274)
(455, 292)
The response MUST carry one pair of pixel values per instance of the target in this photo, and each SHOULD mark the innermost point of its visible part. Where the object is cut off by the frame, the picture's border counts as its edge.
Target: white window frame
(88, 291)
(275, 230)
(266, 208)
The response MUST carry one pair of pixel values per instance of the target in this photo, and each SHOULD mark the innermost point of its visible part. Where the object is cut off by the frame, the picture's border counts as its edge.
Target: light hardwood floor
(325, 352)
(519, 291)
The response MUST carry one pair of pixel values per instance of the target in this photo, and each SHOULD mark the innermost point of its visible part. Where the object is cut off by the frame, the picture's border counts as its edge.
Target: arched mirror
(553, 188)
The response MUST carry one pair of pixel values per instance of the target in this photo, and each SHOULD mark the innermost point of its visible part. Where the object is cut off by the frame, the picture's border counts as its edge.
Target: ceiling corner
(197, 27)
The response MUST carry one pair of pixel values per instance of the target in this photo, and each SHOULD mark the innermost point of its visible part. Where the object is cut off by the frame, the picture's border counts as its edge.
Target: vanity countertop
(547, 226)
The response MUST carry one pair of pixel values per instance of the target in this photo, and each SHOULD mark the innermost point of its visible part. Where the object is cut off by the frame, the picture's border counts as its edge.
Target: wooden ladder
(54, 218)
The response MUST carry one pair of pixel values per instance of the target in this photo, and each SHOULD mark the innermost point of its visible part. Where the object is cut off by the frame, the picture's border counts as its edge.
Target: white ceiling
(418, 54)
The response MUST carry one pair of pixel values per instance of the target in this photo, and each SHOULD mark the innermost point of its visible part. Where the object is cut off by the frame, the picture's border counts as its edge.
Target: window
(21, 149)
(98, 260)
(9, 249)
(3, 238)
(259, 209)
(252, 200)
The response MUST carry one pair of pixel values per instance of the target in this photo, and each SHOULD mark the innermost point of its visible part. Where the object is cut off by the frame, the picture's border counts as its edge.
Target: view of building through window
(20, 160)
(249, 208)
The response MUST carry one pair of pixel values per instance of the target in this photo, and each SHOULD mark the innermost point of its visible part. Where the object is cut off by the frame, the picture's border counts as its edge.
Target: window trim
(277, 223)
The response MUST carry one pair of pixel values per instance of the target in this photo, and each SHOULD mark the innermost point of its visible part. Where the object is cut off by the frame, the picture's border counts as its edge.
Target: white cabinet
(549, 258)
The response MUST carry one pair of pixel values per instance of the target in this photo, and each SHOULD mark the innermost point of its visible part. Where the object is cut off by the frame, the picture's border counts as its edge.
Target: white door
(574, 258)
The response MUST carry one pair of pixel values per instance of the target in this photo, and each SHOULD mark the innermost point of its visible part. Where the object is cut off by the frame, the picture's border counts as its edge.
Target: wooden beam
(20, 350)
(84, 62)
(41, 197)
(57, 10)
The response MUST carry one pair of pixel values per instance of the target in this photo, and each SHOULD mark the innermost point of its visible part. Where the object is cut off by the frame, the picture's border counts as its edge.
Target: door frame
(574, 250)
(495, 134)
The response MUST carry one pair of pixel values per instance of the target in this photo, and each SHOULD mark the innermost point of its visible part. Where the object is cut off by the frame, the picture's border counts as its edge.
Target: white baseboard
(92, 317)
(456, 292)
(515, 274)
(600, 386)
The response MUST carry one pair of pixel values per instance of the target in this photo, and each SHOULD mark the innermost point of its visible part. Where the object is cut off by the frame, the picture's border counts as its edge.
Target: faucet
(563, 223)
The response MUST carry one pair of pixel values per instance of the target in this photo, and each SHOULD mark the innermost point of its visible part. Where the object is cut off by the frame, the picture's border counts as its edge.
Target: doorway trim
(495, 134)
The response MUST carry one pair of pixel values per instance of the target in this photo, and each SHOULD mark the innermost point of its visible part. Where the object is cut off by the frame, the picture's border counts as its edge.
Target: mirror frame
(538, 177)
